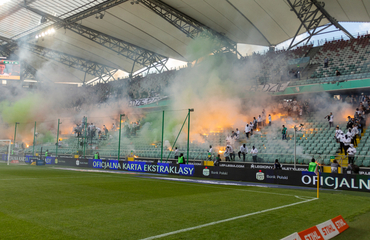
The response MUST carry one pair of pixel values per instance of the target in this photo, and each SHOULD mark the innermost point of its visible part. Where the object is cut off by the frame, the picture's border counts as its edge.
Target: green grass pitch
(40, 202)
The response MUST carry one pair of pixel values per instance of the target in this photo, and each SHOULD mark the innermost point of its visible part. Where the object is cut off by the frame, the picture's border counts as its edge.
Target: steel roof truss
(311, 13)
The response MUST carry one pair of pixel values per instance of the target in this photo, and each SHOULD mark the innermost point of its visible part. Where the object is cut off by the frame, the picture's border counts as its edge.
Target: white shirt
(347, 142)
(355, 131)
(254, 152)
(251, 125)
(351, 151)
(247, 129)
(230, 148)
(269, 118)
(338, 133)
(331, 118)
(259, 119)
(349, 134)
(210, 150)
(243, 149)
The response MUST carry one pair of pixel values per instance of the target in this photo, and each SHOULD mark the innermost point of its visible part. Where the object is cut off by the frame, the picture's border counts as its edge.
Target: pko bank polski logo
(260, 176)
(206, 172)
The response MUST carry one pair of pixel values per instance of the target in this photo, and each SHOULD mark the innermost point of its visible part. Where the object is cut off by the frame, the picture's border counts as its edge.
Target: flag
(316, 171)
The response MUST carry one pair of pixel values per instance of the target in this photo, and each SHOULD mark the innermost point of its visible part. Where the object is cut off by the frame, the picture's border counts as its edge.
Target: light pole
(295, 145)
(15, 134)
(190, 110)
(34, 140)
(119, 136)
(56, 150)
(84, 147)
(162, 136)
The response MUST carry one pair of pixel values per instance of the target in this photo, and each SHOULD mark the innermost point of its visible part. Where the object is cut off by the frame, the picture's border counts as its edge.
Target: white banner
(145, 101)
(269, 87)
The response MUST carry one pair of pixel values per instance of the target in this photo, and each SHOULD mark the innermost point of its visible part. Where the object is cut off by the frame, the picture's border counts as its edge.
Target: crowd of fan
(348, 141)
(355, 126)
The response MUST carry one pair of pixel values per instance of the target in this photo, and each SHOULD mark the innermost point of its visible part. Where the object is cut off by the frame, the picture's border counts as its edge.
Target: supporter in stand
(334, 166)
(346, 142)
(338, 133)
(349, 122)
(263, 118)
(337, 73)
(330, 118)
(341, 141)
(270, 120)
(234, 135)
(326, 62)
(217, 160)
(243, 151)
(227, 154)
(351, 153)
(353, 168)
(259, 121)
(105, 130)
(254, 152)
(277, 165)
(247, 130)
(209, 156)
(231, 152)
(176, 153)
(283, 132)
(237, 133)
(254, 123)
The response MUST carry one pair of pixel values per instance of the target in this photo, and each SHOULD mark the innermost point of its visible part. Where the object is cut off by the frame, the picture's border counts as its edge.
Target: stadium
(163, 119)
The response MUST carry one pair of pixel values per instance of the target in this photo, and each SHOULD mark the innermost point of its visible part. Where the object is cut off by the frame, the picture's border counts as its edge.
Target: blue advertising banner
(161, 168)
(50, 160)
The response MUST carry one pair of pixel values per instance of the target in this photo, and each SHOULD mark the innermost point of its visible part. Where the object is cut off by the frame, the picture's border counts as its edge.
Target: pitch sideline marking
(225, 220)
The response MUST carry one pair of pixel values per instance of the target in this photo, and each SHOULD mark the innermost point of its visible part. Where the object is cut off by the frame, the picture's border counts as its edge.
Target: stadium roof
(262, 22)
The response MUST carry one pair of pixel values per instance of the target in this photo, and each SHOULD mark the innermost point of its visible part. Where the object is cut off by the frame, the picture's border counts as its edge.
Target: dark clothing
(277, 166)
(232, 156)
(342, 149)
(283, 132)
(239, 153)
(351, 159)
(217, 161)
(254, 158)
